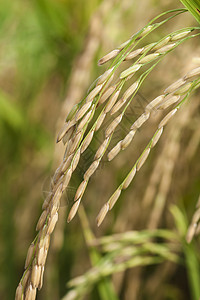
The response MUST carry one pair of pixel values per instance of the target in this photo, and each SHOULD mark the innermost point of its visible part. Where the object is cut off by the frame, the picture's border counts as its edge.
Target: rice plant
(92, 125)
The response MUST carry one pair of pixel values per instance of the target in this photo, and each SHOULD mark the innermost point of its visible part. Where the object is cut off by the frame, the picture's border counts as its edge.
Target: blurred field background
(48, 59)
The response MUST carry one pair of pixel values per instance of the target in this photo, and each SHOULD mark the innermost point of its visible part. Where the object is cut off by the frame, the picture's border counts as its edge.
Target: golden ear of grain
(140, 121)
(180, 35)
(130, 90)
(146, 30)
(108, 56)
(133, 54)
(157, 137)
(40, 256)
(101, 149)
(162, 43)
(167, 118)
(111, 101)
(73, 210)
(84, 121)
(41, 279)
(130, 71)
(26, 278)
(154, 103)
(102, 214)
(100, 121)
(42, 220)
(114, 151)
(117, 106)
(113, 125)
(76, 159)
(183, 89)
(35, 275)
(174, 86)
(30, 292)
(113, 199)
(94, 93)
(107, 94)
(29, 255)
(87, 141)
(129, 178)
(52, 223)
(19, 293)
(169, 100)
(67, 178)
(80, 190)
(90, 171)
(148, 58)
(64, 130)
(166, 48)
(76, 140)
(80, 113)
(192, 73)
(105, 76)
(142, 159)
(127, 140)
(68, 135)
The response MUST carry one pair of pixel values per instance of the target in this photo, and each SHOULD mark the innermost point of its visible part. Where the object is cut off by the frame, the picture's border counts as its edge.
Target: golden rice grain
(73, 210)
(169, 100)
(130, 71)
(130, 90)
(80, 113)
(108, 57)
(154, 103)
(148, 47)
(63, 131)
(117, 106)
(41, 256)
(174, 86)
(148, 58)
(114, 151)
(120, 47)
(26, 278)
(19, 293)
(129, 178)
(76, 159)
(180, 35)
(142, 159)
(35, 275)
(91, 170)
(107, 94)
(166, 48)
(67, 178)
(113, 125)
(87, 141)
(146, 30)
(85, 120)
(157, 137)
(105, 76)
(102, 214)
(100, 121)
(101, 149)
(29, 255)
(68, 135)
(30, 293)
(113, 199)
(94, 93)
(42, 220)
(133, 54)
(167, 118)
(80, 190)
(127, 140)
(161, 43)
(66, 163)
(183, 89)
(52, 223)
(75, 142)
(111, 101)
(140, 121)
(192, 73)
(41, 278)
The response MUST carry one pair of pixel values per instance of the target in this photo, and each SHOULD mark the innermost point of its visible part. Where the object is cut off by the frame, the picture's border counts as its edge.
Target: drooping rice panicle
(141, 160)
(171, 96)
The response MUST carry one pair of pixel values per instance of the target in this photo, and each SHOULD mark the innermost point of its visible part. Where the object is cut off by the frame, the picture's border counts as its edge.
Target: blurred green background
(48, 59)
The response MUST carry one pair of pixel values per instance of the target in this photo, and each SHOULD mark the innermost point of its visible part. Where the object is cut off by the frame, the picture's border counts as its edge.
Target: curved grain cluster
(76, 139)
